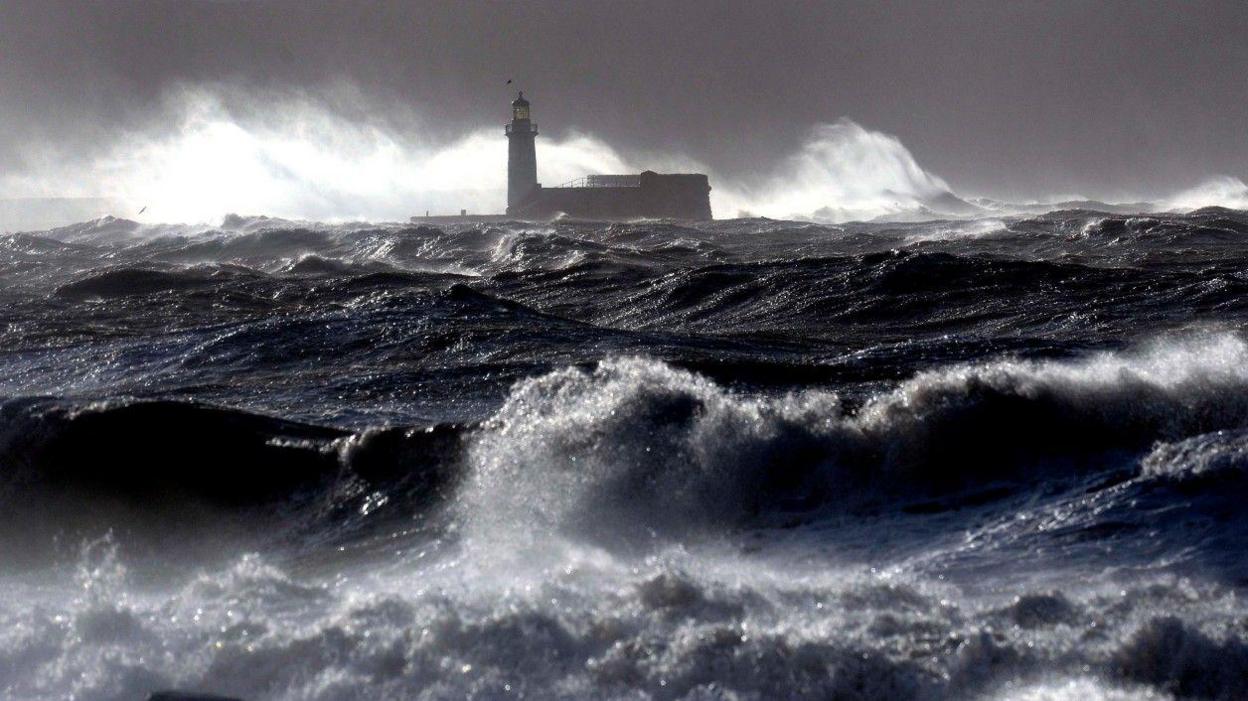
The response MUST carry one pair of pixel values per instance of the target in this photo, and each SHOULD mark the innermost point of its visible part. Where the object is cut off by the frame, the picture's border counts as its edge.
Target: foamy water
(745, 459)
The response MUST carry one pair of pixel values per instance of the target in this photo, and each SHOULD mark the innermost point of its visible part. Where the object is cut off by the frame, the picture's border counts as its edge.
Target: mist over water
(1223, 191)
(300, 160)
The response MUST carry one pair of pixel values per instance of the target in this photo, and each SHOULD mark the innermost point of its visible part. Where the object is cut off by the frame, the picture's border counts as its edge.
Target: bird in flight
(143, 210)
(508, 81)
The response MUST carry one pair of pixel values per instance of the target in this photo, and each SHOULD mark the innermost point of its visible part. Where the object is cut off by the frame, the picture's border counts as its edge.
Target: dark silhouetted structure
(649, 194)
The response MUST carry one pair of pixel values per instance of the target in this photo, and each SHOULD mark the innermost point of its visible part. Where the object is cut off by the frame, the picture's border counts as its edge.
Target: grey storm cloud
(1008, 99)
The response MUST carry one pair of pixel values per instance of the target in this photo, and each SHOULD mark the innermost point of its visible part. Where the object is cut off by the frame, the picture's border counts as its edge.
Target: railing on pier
(605, 181)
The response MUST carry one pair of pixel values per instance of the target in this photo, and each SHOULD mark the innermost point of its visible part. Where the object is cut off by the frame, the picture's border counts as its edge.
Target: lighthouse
(596, 196)
(521, 153)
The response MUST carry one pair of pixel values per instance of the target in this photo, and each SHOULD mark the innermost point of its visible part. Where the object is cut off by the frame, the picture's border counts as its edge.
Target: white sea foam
(635, 449)
(685, 625)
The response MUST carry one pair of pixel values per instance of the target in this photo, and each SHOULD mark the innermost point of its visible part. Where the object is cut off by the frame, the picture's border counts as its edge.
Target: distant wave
(1221, 191)
(134, 281)
(845, 172)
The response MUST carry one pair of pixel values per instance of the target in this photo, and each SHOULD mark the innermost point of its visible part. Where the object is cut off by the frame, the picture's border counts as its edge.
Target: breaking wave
(845, 172)
(1222, 191)
(635, 447)
(1207, 455)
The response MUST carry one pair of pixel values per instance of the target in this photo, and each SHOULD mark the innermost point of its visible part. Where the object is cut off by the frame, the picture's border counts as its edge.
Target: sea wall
(677, 196)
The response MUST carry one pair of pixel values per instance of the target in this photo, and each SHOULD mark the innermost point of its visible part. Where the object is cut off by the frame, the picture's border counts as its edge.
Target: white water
(523, 596)
(679, 624)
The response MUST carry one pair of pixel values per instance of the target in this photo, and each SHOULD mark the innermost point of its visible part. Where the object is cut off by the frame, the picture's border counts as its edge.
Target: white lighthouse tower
(521, 153)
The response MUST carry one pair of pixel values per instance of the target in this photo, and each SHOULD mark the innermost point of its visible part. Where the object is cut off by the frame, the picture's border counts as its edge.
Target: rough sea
(996, 458)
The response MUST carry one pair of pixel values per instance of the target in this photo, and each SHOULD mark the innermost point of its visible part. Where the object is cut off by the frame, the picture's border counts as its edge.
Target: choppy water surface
(748, 459)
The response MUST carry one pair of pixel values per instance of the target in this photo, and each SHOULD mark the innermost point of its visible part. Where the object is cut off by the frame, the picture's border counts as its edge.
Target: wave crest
(1220, 191)
(1216, 453)
(635, 448)
(844, 172)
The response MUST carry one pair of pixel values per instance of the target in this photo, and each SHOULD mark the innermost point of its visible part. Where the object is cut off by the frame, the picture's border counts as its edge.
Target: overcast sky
(1003, 99)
